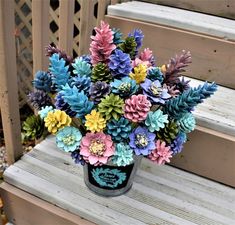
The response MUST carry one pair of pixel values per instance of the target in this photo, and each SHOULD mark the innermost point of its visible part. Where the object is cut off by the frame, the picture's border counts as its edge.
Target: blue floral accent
(68, 139)
(117, 36)
(63, 106)
(155, 73)
(77, 101)
(156, 120)
(119, 129)
(60, 72)
(142, 141)
(44, 111)
(177, 144)
(120, 63)
(155, 92)
(78, 159)
(81, 67)
(123, 155)
(82, 83)
(187, 123)
(108, 177)
(124, 87)
(42, 81)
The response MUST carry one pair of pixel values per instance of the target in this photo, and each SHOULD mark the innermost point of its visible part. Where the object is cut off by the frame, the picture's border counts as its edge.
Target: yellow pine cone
(140, 73)
(163, 68)
(56, 120)
(95, 122)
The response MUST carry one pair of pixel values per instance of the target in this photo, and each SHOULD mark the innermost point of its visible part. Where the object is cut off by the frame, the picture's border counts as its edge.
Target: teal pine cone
(123, 155)
(156, 120)
(187, 123)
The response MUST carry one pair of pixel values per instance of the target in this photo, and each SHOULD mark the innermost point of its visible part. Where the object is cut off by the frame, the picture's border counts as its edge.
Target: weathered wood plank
(40, 33)
(211, 56)
(66, 25)
(41, 212)
(223, 8)
(102, 6)
(8, 82)
(173, 17)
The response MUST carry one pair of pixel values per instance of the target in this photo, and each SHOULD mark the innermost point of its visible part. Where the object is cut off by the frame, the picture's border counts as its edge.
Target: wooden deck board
(160, 195)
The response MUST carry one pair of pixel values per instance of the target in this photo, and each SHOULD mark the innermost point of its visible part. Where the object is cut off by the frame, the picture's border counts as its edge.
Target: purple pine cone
(99, 90)
(39, 99)
(63, 106)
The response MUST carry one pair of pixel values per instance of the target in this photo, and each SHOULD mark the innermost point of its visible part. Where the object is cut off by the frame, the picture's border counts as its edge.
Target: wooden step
(168, 30)
(160, 194)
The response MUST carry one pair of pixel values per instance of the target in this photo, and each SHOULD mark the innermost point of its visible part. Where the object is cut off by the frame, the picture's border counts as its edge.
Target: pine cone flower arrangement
(98, 91)
(42, 81)
(68, 139)
(111, 107)
(156, 120)
(39, 99)
(102, 45)
(119, 129)
(161, 154)
(169, 132)
(139, 74)
(120, 64)
(136, 108)
(187, 123)
(81, 67)
(95, 122)
(122, 103)
(96, 148)
(123, 155)
(100, 72)
(56, 120)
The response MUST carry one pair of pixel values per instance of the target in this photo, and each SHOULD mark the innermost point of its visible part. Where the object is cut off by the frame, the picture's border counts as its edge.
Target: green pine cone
(33, 127)
(169, 132)
(101, 73)
(111, 107)
(129, 46)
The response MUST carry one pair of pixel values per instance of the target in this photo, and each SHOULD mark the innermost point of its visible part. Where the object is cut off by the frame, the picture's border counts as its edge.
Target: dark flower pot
(110, 180)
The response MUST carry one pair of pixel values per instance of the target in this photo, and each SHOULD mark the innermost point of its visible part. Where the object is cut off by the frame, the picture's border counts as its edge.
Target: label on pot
(109, 177)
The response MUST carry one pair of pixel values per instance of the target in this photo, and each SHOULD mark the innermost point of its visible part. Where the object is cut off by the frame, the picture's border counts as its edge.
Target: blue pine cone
(42, 81)
(86, 58)
(39, 99)
(63, 106)
(120, 63)
(60, 72)
(139, 36)
(177, 144)
(81, 67)
(124, 87)
(78, 159)
(99, 90)
(155, 73)
(77, 100)
(184, 103)
(82, 83)
(119, 129)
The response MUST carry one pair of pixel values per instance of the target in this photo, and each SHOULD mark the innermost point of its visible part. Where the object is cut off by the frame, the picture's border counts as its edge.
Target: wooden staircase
(45, 187)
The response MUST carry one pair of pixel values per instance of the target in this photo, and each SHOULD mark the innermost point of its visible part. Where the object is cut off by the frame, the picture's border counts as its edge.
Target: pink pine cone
(136, 108)
(102, 45)
(161, 154)
(92, 157)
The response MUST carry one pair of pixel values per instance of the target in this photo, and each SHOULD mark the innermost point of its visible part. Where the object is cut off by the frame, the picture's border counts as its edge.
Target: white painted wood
(193, 21)
(160, 195)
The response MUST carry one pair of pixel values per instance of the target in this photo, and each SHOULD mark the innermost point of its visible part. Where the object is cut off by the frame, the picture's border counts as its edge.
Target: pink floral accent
(136, 108)
(102, 45)
(87, 149)
(161, 154)
(138, 61)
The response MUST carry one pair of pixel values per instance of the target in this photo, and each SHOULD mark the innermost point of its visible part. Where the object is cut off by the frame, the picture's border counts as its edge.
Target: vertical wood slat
(40, 33)
(66, 25)
(8, 82)
(102, 6)
(86, 26)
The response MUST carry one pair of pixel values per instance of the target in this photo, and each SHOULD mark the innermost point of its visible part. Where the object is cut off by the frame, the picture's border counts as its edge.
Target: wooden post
(40, 33)
(8, 82)
(86, 26)
(102, 5)
(66, 25)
